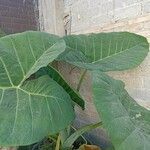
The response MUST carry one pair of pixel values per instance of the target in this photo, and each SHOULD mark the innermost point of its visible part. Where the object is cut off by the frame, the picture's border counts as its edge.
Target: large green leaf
(105, 51)
(55, 75)
(23, 54)
(127, 123)
(30, 109)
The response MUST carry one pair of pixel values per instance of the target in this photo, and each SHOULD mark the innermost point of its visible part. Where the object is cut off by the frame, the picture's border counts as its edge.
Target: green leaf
(72, 138)
(30, 109)
(105, 51)
(127, 123)
(23, 54)
(55, 75)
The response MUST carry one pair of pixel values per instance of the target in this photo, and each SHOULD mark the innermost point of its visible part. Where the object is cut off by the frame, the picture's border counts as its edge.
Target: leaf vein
(6, 71)
(14, 48)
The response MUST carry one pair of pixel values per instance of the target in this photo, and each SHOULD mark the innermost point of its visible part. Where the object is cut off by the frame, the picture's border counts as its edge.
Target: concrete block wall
(108, 15)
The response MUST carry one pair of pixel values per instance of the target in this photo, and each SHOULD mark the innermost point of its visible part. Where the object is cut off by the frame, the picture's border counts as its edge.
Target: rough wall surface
(108, 15)
(51, 16)
(18, 15)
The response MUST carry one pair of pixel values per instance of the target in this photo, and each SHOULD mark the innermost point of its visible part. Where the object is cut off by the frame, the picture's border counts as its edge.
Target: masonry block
(124, 3)
(127, 12)
(146, 7)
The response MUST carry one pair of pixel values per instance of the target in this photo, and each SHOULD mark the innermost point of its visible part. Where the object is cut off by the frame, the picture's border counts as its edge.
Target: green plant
(35, 99)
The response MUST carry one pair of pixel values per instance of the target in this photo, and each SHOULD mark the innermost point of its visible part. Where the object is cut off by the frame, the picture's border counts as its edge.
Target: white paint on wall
(51, 16)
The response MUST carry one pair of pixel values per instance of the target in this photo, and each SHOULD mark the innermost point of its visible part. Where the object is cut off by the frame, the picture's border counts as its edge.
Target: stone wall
(18, 15)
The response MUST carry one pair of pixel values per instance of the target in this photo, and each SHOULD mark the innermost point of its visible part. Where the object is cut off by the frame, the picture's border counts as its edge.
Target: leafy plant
(35, 100)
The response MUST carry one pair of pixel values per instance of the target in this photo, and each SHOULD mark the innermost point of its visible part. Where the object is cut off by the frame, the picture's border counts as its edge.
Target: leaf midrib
(27, 74)
(29, 93)
(17, 105)
(115, 54)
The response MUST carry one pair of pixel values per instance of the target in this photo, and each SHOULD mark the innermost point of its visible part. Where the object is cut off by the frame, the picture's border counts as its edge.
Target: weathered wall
(108, 15)
(51, 16)
(18, 15)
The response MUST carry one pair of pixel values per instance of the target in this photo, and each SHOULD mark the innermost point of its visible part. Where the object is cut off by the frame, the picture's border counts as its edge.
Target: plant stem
(52, 138)
(58, 143)
(64, 134)
(81, 135)
(81, 80)
(70, 140)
